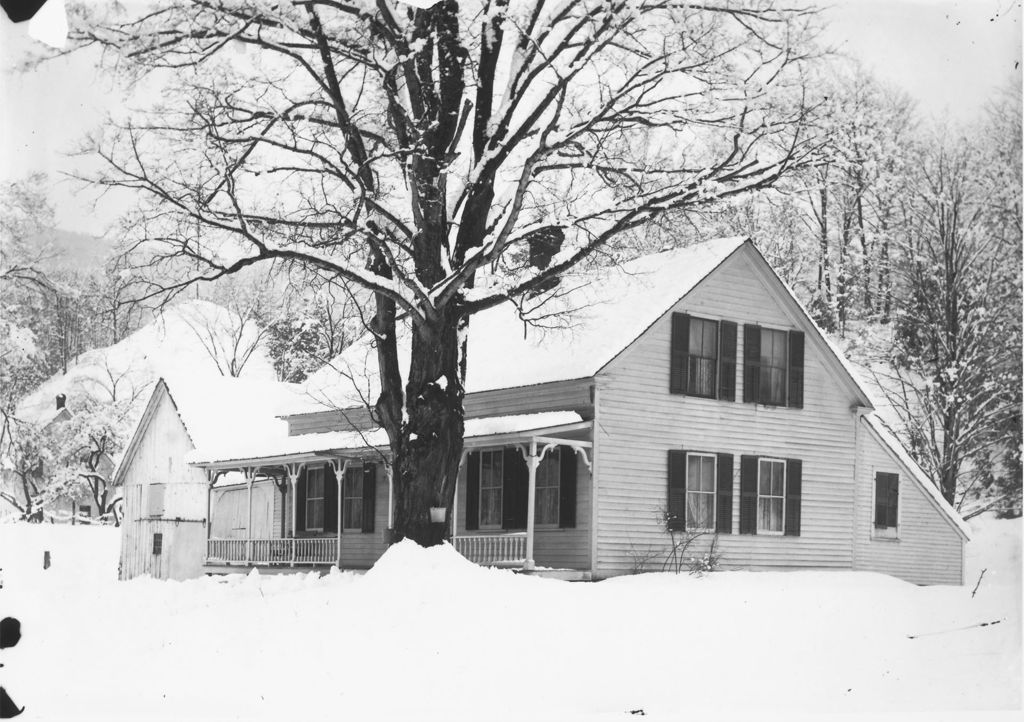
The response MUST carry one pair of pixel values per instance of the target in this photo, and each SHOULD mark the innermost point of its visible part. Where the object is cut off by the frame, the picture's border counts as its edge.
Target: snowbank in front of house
(427, 635)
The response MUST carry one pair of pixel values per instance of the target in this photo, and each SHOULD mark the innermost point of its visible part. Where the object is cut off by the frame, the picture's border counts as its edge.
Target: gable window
(887, 498)
(315, 499)
(491, 474)
(771, 495)
(352, 501)
(702, 365)
(700, 491)
(703, 357)
(548, 487)
(773, 366)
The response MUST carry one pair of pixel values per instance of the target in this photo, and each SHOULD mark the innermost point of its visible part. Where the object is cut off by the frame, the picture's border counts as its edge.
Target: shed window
(774, 366)
(352, 504)
(491, 475)
(771, 495)
(155, 500)
(548, 487)
(158, 544)
(315, 499)
(887, 498)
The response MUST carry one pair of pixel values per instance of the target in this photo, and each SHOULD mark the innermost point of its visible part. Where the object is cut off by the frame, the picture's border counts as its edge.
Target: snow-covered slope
(427, 635)
(167, 346)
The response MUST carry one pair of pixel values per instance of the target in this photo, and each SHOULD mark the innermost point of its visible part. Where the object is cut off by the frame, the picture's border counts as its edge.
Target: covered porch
(332, 504)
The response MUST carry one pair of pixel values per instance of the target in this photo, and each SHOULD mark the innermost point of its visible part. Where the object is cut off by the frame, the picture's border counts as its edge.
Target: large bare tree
(415, 151)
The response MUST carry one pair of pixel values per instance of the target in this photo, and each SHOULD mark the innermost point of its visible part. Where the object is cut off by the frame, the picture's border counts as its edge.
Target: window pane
(693, 472)
(547, 505)
(707, 473)
(700, 509)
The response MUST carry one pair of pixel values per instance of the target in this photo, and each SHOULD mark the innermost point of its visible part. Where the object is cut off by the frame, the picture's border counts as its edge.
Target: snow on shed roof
(594, 316)
(337, 441)
(888, 438)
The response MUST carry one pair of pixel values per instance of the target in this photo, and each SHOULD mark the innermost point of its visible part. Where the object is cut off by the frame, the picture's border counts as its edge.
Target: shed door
(230, 512)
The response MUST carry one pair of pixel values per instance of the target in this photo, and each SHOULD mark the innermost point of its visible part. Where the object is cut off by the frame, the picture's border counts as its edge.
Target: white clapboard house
(688, 384)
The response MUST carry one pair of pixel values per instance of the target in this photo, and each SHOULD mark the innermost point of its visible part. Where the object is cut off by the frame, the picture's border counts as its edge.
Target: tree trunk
(426, 464)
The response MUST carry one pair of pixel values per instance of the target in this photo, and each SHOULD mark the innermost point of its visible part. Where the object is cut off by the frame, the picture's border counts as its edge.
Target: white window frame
(888, 533)
(785, 372)
(716, 381)
(714, 492)
(500, 488)
(757, 510)
(557, 486)
(346, 498)
(322, 498)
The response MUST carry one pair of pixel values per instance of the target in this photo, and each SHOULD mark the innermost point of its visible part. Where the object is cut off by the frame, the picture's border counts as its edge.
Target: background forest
(901, 234)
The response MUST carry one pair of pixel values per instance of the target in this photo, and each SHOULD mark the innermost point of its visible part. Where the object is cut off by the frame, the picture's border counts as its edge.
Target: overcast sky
(950, 56)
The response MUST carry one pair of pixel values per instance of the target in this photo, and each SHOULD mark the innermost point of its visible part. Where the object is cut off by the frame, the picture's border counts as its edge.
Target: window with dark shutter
(676, 490)
(567, 488)
(794, 496)
(724, 503)
(547, 488)
(315, 498)
(473, 491)
(300, 502)
(516, 490)
(887, 490)
(727, 361)
(352, 499)
(748, 495)
(701, 479)
(773, 366)
(702, 358)
(679, 351)
(330, 500)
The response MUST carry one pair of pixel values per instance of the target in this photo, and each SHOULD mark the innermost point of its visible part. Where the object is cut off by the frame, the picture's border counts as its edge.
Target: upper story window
(703, 357)
(773, 366)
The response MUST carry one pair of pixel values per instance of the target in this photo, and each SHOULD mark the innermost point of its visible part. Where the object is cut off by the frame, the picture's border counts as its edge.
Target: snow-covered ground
(428, 635)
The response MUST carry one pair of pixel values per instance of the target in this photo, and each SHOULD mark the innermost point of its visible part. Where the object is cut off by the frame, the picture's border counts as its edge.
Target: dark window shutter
(892, 507)
(796, 369)
(886, 499)
(330, 500)
(473, 491)
(567, 488)
(748, 495)
(680, 352)
(369, 496)
(723, 524)
(727, 361)
(515, 490)
(751, 364)
(676, 490)
(794, 485)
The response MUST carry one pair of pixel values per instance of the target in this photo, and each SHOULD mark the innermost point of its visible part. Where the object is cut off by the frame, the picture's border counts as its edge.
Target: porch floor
(216, 569)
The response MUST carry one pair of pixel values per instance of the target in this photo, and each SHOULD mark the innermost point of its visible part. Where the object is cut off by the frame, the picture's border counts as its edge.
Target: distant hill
(73, 251)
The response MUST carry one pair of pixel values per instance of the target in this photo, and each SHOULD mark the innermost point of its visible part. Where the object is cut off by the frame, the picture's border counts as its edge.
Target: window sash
(771, 496)
(774, 367)
(548, 488)
(315, 500)
(886, 501)
(352, 499)
(701, 491)
(491, 488)
(702, 361)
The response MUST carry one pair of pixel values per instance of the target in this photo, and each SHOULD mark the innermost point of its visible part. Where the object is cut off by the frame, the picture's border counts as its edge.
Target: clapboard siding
(638, 421)
(571, 395)
(928, 549)
(552, 547)
(159, 458)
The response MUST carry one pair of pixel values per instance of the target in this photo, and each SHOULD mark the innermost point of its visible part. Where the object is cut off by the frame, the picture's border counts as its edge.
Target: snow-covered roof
(594, 316)
(229, 448)
(894, 445)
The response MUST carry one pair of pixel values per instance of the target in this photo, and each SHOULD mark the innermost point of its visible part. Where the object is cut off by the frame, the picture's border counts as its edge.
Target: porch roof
(304, 447)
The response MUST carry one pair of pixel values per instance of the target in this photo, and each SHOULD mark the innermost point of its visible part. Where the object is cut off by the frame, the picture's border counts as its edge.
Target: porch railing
(312, 550)
(492, 549)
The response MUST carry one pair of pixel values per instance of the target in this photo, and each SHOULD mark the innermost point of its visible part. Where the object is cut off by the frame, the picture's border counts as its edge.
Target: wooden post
(249, 474)
(532, 462)
(340, 468)
(211, 476)
(293, 477)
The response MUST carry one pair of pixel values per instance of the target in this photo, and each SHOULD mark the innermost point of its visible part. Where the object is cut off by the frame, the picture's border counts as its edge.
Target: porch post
(531, 463)
(249, 474)
(455, 496)
(340, 468)
(293, 478)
